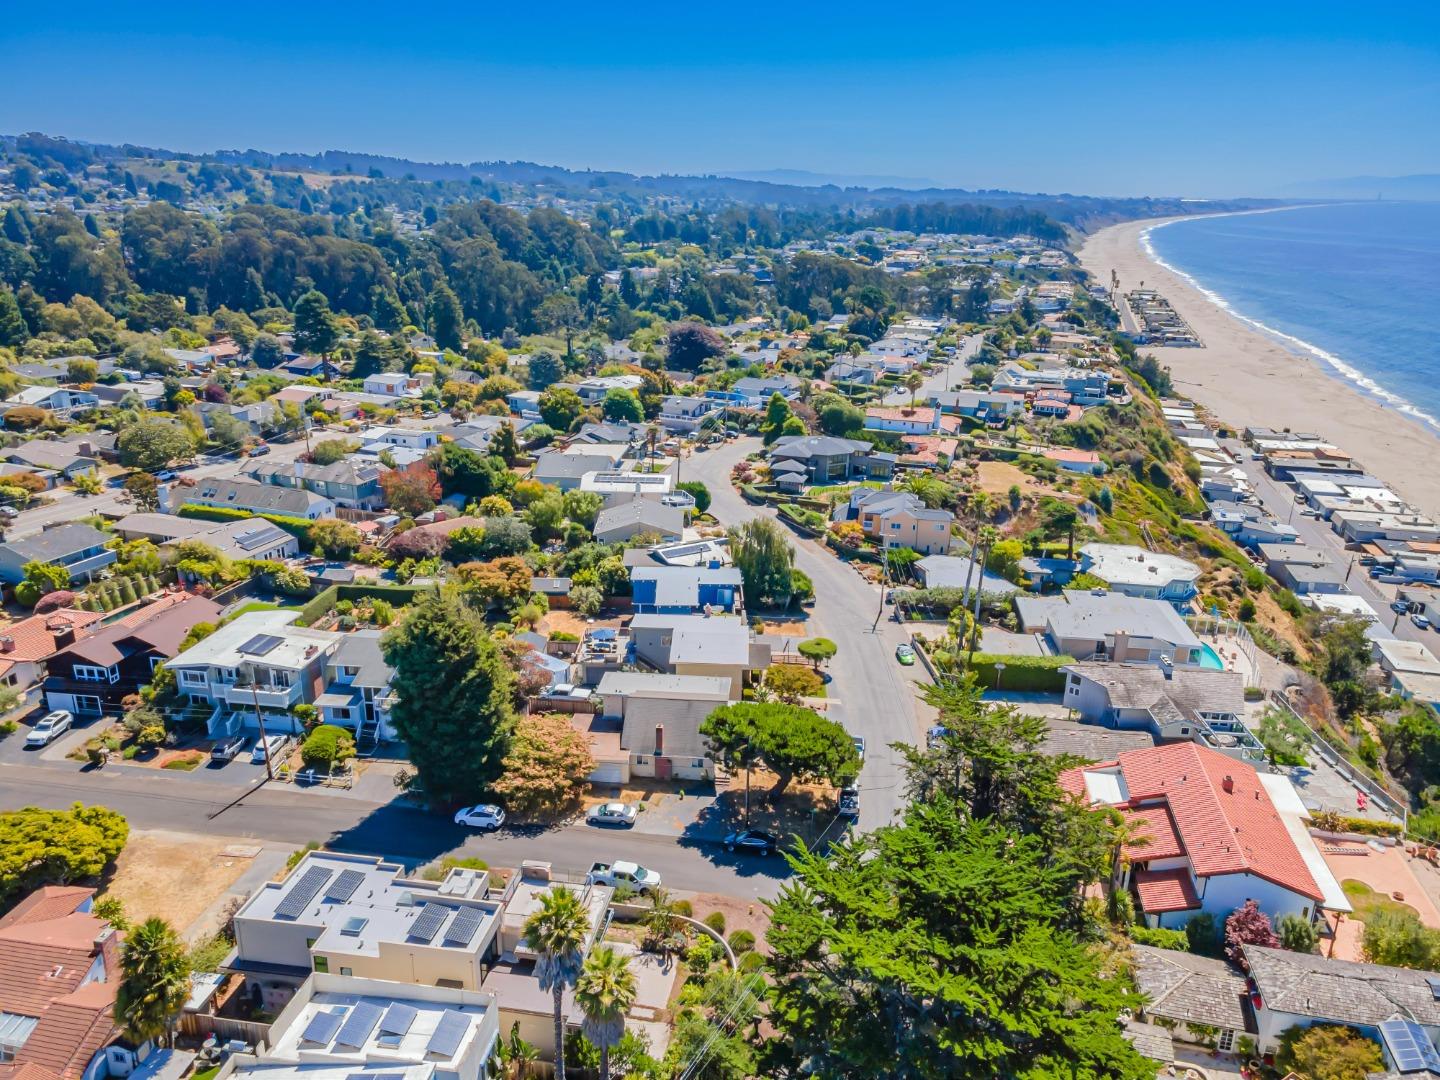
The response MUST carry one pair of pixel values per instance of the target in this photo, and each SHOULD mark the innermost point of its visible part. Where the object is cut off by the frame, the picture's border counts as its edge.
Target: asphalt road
(1279, 499)
(876, 695)
(282, 814)
(948, 377)
(67, 505)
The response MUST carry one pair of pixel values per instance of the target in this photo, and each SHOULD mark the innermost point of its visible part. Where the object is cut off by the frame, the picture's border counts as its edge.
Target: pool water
(1209, 658)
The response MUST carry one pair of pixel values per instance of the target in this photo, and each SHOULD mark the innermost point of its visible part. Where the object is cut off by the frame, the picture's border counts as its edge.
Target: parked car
(1400, 607)
(48, 727)
(165, 474)
(1367, 560)
(754, 841)
(935, 734)
(485, 816)
(905, 654)
(260, 450)
(613, 813)
(628, 874)
(850, 802)
(271, 747)
(859, 747)
(9, 512)
(229, 747)
(1420, 621)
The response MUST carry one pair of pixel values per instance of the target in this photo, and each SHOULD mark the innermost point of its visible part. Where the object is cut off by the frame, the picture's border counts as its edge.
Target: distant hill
(1423, 186)
(805, 178)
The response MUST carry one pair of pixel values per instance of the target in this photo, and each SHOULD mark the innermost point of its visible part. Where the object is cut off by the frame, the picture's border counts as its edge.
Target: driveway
(871, 694)
(949, 376)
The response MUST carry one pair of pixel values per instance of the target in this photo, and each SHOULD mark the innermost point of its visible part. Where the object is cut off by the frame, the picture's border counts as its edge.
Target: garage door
(610, 772)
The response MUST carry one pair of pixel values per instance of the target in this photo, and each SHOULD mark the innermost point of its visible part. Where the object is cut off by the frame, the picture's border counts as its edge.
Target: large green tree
(466, 472)
(560, 407)
(1328, 1052)
(452, 688)
(792, 741)
(154, 980)
(316, 328)
(940, 948)
(151, 444)
(765, 557)
(446, 319)
(56, 847)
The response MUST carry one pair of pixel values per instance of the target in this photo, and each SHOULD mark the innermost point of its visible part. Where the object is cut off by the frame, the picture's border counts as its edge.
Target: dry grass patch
(175, 876)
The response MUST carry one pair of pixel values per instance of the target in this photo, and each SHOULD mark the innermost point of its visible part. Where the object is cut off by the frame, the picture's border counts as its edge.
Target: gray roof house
(640, 515)
(78, 547)
(830, 460)
(1185, 989)
(357, 687)
(1194, 704)
(65, 459)
(255, 497)
(350, 483)
(1110, 626)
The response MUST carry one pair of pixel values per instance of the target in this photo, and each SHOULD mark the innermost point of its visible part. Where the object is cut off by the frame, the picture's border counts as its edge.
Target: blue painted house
(685, 590)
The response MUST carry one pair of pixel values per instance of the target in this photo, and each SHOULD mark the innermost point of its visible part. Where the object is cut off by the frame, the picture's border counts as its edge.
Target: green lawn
(1367, 901)
(263, 605)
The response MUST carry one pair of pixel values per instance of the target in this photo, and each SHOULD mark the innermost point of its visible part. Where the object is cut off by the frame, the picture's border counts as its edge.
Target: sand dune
(1245, 376)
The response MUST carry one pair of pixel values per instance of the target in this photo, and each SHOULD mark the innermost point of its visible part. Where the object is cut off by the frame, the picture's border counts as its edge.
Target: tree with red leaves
(411, 490)
(1248, 925)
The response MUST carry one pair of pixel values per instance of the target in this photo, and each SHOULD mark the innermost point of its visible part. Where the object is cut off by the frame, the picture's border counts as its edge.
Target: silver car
(613, 813)
(48, 727)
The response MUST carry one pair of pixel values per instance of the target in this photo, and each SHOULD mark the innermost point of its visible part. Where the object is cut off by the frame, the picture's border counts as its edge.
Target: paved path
(876, 696)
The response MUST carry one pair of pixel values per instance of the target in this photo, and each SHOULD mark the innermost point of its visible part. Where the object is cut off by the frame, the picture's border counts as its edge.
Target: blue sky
(1188, 99)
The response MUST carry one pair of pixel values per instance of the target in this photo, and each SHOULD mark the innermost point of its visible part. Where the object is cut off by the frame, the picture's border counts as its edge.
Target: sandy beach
(1245, 377)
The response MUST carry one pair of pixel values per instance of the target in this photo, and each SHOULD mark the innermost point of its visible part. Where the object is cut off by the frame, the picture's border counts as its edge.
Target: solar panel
(344, 886)
(303, 891)
(467, 921)
(375, 1076)
(323, 1026)
(260, 644)
(449, 1033)
(1409, 1047)
(361, 1022)
(428, 922)
(398, 1019)
(257, 538)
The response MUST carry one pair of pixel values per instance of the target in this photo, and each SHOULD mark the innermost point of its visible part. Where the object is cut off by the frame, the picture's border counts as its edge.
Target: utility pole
(884, 581)
(260, 720)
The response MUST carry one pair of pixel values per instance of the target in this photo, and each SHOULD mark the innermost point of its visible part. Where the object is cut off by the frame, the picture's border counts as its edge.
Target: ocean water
(1354, 286)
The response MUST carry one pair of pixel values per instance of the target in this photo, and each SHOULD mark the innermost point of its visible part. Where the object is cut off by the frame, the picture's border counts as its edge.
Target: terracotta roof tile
(1165, 890)
(1234, 831)
(1152, 824)
(45, 903)
(34, 637)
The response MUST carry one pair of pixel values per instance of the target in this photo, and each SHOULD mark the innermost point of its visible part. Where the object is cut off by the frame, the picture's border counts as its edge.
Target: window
(192, 678)
(340, 713)
(322, 965)
(1226, 1042)
(346, 971)
(89, 673)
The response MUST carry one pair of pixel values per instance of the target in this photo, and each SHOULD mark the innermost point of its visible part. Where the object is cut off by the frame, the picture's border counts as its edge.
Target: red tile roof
(1234, 830)
(920, 415)
(1153, 825)
(1165, 890)
(47, 949)
(34, 637)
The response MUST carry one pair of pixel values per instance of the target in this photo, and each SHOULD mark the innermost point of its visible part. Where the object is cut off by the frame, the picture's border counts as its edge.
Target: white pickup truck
(628, 874)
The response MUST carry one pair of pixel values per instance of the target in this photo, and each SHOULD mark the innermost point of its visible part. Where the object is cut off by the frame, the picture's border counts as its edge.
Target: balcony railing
(275, 697)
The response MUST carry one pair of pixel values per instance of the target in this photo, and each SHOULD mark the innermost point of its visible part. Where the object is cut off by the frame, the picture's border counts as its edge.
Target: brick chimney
(1228, 784)
(659, 740)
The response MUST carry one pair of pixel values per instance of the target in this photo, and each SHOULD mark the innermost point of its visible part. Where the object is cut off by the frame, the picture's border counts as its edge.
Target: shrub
(1159, 937)
(1035, 674)
(327, 746)
(683, 907)
(716, 921)
(741, 941)
(296, 527)
(61, 598)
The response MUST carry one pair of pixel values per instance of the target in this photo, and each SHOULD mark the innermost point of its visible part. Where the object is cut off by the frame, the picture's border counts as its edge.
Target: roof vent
(7, 644)
(1229, 784)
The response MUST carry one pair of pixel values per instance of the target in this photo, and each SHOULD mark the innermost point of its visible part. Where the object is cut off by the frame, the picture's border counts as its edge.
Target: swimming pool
(1209, 658)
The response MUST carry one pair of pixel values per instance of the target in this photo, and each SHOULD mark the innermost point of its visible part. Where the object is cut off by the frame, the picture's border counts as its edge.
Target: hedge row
(296, 527)
(1033, 674)
(324, 602)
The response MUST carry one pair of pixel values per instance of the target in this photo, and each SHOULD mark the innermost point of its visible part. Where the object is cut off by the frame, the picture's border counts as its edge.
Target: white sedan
(612, 813)
(487, 817)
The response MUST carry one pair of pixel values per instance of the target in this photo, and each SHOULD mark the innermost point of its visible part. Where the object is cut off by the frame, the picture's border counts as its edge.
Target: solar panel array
(375, 1076)
(1409, 1047)
(467, 921)
(257, 538)
(302, 892)
(344, 886)
(260, 644)
(323, 1026)
(358, 1026)
(449, 1033)
(398, 1019)
(429, 921)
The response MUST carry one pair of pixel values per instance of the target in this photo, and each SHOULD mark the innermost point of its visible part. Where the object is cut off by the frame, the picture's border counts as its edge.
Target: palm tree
(154, 980)
(605, 992)
(913, 382)
(557, 932)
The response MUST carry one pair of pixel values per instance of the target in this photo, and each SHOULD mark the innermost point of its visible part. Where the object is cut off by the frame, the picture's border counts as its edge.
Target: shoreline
(1245, 376)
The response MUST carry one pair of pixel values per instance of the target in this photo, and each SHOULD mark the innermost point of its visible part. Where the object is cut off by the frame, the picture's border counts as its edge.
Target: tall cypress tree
(453, 706)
